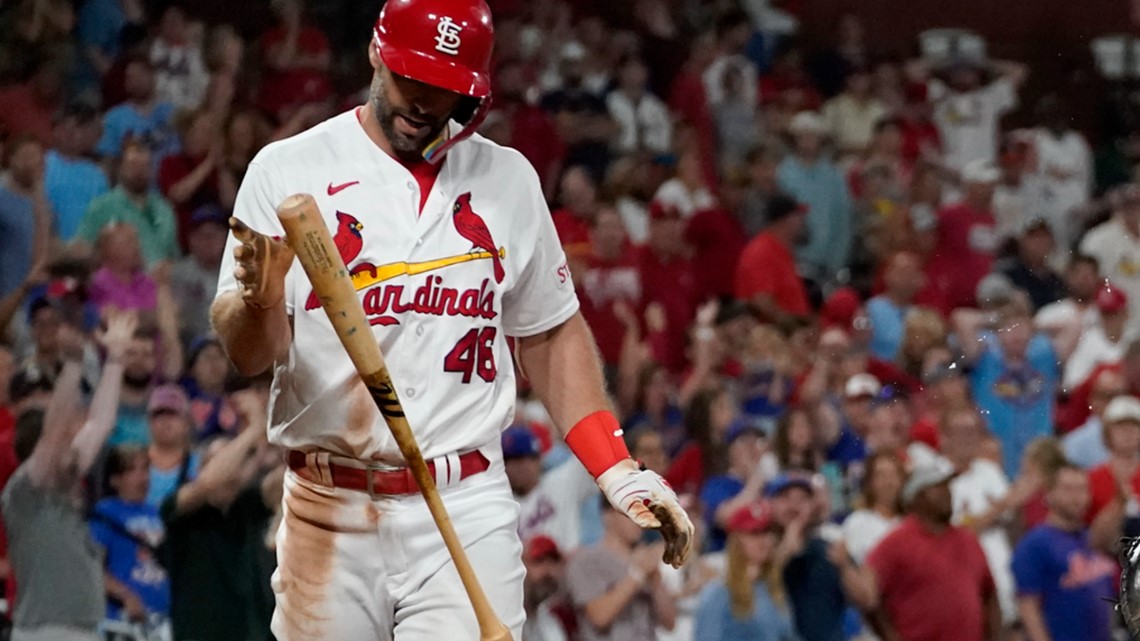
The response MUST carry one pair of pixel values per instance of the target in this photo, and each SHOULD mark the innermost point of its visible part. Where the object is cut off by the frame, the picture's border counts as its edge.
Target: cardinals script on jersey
(442, 287)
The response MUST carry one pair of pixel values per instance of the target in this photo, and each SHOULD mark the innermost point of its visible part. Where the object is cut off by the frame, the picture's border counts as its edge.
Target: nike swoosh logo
(336, 189)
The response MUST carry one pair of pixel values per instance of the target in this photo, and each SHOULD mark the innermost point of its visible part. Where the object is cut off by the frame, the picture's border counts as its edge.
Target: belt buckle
(369, 478)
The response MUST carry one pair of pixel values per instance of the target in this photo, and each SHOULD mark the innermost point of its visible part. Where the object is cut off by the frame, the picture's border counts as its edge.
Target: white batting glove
(648, 500)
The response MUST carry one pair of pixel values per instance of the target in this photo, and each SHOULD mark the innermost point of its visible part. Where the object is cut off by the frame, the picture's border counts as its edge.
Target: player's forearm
(253, 338)
(563, 368)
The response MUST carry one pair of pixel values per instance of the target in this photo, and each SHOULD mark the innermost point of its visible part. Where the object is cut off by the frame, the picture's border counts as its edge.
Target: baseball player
(452, 250)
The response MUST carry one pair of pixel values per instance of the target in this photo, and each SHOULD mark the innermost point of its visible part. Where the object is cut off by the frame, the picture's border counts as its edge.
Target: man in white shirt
(644, 120)
(852, 115)
(1085, 445)
(1116, 245)
(1104, 342)
(733, 30)
(982, 496)
(550, 503)
(968, 113)
(1065, 320)
(1064, 170)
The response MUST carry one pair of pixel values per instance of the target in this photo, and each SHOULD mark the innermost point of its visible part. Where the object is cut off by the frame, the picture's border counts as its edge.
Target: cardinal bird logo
(471, 226)
(348, 239)
(348, 243)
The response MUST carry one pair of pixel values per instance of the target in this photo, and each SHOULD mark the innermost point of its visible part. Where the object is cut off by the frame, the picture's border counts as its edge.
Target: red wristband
(596, 441)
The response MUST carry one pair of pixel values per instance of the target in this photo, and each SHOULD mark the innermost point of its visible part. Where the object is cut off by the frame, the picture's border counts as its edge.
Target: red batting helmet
(443, 43)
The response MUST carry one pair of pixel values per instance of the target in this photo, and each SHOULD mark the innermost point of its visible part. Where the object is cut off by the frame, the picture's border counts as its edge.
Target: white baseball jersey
(439, 306)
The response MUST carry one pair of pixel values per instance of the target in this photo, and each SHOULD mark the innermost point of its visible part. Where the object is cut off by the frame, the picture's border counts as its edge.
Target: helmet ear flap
(470, 113)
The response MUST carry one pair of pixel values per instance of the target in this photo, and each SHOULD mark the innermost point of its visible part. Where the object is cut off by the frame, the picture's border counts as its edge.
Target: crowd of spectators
(886, 350)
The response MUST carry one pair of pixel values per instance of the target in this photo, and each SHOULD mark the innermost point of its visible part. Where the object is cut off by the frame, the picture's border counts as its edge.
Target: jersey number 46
(473, 354)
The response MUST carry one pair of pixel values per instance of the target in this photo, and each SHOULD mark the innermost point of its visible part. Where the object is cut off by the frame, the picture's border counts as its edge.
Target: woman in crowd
(707, 420)
(881, 507)
(794, 443)
(749, 603)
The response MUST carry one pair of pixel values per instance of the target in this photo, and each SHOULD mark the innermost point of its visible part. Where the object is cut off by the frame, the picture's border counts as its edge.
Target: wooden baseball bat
(307, 234)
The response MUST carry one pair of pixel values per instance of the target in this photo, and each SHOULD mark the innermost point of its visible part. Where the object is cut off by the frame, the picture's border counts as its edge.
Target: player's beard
(408, 148)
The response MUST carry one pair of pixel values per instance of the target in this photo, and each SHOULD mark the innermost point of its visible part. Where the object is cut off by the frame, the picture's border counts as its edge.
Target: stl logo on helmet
(448, 39)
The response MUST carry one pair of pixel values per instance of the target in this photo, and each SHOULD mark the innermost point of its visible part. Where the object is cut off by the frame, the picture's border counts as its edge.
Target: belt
(379, 480)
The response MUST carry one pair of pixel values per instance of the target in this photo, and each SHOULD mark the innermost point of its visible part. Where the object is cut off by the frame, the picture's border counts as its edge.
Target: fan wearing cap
(1085, 446)
(968, 110)
(819, 590)
(1030, 269)
(668, 285)
(1115, 244)
(809, 176)
(548, 617)
(965, 239)
(929, 579)
(195, 276)
(172, 461)
(1106, 341)
(749, 603)
(741, 483)
(550, 502)
(766, 276)
(1117, 481)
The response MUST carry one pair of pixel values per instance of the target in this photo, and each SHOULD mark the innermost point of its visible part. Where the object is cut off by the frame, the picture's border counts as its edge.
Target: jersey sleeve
(543, 296)
(256, 206)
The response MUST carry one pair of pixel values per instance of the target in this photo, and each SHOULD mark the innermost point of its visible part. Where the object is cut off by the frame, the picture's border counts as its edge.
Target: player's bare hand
(260, 265)
(646, 498)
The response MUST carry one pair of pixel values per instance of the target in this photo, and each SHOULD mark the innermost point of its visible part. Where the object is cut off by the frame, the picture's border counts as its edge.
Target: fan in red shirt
(966, 239)
(579, 197)
(766, 275)
(191, 179)
(929, 577)
(529, 129)
(717, 239)
(610, 282)
(1118, 479)
(297, 56)
(668, 286)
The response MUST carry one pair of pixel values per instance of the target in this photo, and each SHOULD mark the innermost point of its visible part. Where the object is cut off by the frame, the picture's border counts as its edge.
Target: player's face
(410, 113)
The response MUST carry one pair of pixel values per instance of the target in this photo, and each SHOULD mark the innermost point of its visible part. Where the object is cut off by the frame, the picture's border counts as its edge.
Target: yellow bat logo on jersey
(366, 275)
(371, 275)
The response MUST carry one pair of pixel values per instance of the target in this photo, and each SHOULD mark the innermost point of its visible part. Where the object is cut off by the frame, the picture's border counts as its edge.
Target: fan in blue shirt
(130, 530)
(1064, 587)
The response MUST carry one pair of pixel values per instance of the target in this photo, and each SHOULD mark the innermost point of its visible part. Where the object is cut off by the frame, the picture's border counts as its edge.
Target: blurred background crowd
(872, 307)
